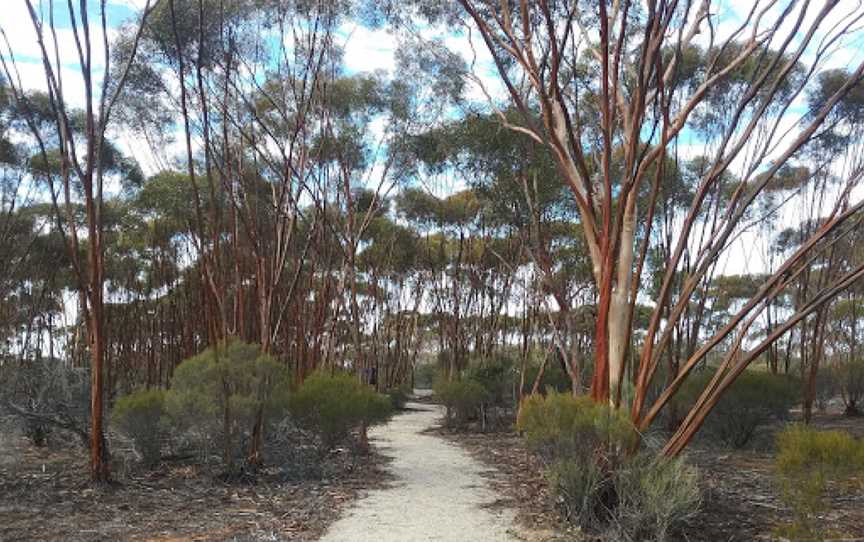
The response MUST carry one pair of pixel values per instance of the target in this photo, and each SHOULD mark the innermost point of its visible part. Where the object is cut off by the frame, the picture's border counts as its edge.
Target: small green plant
(463, 399)
(807, 460)
(140, 417)
(754, 399)
(331, 406)
(600, 485)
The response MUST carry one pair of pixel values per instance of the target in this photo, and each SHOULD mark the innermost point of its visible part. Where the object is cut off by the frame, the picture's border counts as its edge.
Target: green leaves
(223, 391)
(333, 405)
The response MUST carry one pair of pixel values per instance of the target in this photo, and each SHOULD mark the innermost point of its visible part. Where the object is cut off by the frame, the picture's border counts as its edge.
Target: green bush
(554, 377)
(806, 461)
(398, 398)
(600, 485)
(584, 443)
(850, 381)
(560, 425)
(228, 395)
(754, 399)
(331, 406)
(496, 376)
(140, 417)
(463, 399)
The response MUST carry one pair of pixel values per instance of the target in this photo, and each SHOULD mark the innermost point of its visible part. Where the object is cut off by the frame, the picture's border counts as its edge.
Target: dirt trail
(438, 493)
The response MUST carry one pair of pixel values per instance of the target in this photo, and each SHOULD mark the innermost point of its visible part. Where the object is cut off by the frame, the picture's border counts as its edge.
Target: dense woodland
(552, 193)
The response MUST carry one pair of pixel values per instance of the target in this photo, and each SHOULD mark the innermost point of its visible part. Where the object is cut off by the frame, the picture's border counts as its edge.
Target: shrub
(139, 416)
(850, 380)
(496, 376)
(398, 398)
(560, 425)
(806, 461)
(826, 388)
(228, 394)
(755, 398)
(332, 406)
(655, 495)
(463, 399)
(583, 442)
(554, 377)
(46, 397)
(599, 485)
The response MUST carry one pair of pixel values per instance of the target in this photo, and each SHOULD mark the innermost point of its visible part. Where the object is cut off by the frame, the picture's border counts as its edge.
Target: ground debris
(45, 495)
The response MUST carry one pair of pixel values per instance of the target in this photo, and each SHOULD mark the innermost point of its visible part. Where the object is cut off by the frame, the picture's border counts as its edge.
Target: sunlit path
(438, 492)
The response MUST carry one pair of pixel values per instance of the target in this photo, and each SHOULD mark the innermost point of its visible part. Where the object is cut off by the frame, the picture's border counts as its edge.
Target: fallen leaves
(176, 502)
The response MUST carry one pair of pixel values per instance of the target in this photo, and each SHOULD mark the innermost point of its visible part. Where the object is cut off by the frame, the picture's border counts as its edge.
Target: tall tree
(82, 150)
(613, 89)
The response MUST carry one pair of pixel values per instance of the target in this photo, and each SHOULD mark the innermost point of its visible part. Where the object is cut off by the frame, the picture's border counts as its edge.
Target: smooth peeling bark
(619, 309)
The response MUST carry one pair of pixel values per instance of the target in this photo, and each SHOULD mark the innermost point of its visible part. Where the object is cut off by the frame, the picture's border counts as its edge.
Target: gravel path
(439, 492)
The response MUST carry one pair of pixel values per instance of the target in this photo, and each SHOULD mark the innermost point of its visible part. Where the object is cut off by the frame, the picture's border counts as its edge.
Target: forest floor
(741, 501)
(420, 483)
(45, 495)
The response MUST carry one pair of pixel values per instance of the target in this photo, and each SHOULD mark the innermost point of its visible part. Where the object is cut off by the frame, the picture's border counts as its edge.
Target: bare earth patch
(45, 495)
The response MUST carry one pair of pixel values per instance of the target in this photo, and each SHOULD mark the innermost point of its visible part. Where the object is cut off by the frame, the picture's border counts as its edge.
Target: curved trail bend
(438, 492)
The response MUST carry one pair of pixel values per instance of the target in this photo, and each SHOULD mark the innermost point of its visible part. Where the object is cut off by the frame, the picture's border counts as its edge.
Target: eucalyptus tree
(523, 198)
(82, 167)
(613, 90)
(394, 284)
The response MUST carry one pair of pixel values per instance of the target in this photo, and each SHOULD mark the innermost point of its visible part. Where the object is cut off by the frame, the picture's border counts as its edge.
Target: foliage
(599, 483)
(849, 377)
(655, 495)
(140, 417)
(425, 375)
(332, 406)
(807, 460)
(464, 400)
(826, 387)
(554, 377)
(223, 392)
(754, 399)
(560, 425)
(398, 398)
(496, 375)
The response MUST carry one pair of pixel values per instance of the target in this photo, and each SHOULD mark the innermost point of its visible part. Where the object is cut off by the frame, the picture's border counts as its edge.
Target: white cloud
(368, 50)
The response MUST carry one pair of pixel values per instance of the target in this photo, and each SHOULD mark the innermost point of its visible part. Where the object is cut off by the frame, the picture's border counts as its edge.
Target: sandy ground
(439, 492)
